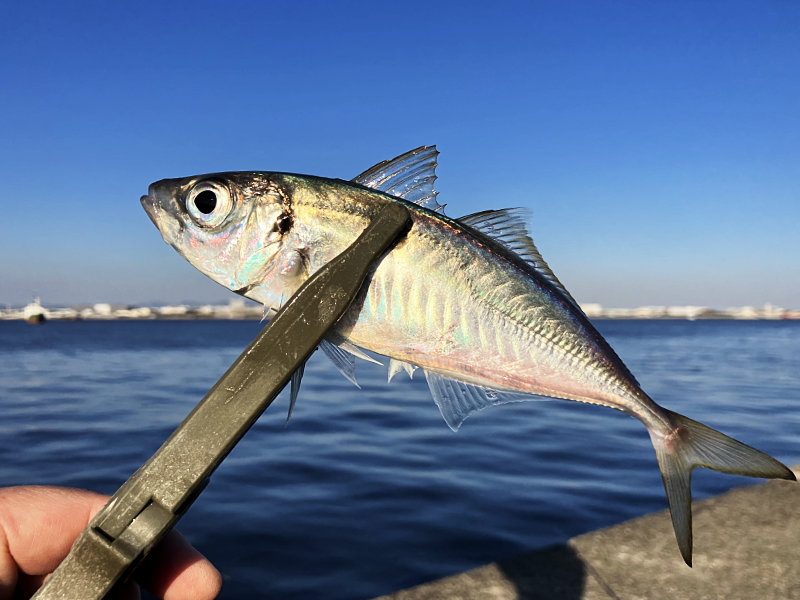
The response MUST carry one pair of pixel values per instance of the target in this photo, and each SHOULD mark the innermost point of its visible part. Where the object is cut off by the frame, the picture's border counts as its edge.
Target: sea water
(366, 491)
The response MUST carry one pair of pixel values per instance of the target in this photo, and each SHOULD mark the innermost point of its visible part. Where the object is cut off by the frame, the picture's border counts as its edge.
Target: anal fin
(458, 400)
(395, 366)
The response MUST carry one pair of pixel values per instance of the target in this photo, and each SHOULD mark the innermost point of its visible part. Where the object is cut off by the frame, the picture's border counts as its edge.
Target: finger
(37, 527)
(28, 584)
(40, 524)
(176, 571)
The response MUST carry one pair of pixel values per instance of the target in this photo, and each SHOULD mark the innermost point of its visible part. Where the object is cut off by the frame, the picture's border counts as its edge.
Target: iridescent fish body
(469, 301)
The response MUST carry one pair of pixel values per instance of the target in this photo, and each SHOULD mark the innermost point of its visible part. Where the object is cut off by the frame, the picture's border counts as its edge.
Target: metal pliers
(149, 504)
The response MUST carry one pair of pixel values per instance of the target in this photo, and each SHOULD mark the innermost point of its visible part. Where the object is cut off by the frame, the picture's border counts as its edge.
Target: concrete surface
(746, 547)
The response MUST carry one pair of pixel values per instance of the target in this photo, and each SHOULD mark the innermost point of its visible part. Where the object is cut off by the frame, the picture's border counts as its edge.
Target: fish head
(236, 228)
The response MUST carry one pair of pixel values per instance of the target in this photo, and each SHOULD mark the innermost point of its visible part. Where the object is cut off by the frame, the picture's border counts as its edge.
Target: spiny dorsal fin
(410, 176)
(508, 227)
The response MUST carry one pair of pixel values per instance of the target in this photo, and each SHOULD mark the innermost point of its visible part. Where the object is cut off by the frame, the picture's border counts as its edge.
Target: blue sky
(657, 143)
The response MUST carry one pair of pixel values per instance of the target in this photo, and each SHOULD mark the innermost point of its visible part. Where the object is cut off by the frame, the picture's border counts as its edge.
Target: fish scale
(470, 301)
(444, 264)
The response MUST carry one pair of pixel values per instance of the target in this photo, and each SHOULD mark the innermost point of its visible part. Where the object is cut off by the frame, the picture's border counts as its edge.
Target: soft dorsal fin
(508, 227)
(410, 176)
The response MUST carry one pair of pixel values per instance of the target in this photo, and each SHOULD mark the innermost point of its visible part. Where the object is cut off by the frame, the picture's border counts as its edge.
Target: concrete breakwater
(746, 545)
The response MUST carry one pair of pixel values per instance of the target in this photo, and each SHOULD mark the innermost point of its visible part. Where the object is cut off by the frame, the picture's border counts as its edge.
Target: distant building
(592, 309)
(179, 310)
(101, 309)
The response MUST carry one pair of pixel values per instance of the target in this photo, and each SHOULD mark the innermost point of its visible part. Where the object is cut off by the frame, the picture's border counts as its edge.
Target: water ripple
(367, 491)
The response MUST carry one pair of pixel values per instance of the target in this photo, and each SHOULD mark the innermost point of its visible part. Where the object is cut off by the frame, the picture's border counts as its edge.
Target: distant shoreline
(240, 310)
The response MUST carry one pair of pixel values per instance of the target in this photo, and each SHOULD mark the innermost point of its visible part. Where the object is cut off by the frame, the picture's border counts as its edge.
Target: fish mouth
(158, 208)
(149, 206)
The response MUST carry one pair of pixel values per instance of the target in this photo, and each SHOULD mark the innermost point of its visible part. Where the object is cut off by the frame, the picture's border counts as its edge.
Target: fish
(469, 301)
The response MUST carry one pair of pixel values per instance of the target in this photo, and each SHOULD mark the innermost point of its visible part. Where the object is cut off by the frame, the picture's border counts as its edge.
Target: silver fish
(469, 301)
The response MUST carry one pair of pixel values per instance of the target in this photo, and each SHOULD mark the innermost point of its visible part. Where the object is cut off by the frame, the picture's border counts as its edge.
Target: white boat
(34, 312)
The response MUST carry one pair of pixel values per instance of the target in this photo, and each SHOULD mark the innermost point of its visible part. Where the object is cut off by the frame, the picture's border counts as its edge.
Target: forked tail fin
(692, 444)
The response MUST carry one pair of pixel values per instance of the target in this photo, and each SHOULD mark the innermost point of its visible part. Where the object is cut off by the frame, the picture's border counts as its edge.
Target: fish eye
(206, 201)
(209, 203)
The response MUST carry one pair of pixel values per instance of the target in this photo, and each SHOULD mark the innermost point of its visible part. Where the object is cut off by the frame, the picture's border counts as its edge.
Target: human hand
(38, 525)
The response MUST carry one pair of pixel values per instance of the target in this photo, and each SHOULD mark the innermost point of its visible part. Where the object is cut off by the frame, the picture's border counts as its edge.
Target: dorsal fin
(508, 227)
(409, 176)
